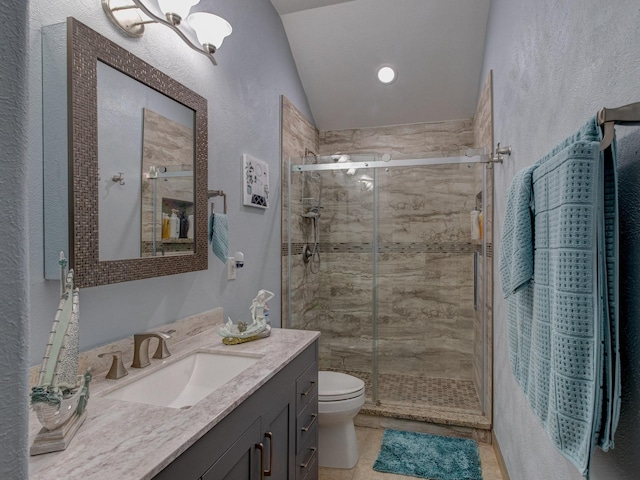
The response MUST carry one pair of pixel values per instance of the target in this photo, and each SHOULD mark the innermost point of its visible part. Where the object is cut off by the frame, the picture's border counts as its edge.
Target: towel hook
(119, 178)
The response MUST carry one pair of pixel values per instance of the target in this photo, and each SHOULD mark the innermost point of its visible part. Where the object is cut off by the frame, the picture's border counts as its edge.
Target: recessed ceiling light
(386, 74)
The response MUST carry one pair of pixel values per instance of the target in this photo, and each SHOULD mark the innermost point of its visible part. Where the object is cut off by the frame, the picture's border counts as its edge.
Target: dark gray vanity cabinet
(272, 434)
(242, 461)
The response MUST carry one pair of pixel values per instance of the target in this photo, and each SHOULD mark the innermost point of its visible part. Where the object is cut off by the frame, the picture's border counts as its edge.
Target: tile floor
(369, 441)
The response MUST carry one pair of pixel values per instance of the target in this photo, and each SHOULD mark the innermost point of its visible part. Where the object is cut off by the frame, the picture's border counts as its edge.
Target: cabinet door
(243, 460)
(278, 441)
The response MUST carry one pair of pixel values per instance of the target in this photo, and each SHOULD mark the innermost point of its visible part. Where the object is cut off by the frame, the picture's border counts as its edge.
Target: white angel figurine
(258, 305)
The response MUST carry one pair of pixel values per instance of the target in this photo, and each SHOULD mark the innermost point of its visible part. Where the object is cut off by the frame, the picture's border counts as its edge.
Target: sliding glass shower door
(381, 258)
(427, 281)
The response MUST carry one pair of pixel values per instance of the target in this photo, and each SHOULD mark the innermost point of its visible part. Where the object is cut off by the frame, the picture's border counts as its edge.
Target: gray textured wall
(14, 260)
(555, 64)
(255, 68)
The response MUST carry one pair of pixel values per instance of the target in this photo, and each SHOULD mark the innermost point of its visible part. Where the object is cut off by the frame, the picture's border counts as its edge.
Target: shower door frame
(472, 157)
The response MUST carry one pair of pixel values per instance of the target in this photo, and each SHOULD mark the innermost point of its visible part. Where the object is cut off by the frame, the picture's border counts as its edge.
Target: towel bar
(218, 193)
(608, 117)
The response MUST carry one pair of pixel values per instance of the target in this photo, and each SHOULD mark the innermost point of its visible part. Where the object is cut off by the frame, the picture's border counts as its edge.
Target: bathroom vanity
(262, 421)
(273, 431)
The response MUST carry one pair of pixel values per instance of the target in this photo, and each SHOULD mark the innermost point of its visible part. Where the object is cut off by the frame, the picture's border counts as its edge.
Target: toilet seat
(335, 386)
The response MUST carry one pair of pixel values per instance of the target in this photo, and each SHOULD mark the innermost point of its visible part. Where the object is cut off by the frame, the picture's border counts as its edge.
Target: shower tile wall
(435, 139)
(297, 134)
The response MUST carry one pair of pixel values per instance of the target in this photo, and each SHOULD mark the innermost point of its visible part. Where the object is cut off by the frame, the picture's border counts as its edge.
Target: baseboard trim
(499, 457)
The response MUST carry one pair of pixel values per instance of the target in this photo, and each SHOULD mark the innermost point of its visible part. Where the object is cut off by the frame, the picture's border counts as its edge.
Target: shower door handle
(476, 255)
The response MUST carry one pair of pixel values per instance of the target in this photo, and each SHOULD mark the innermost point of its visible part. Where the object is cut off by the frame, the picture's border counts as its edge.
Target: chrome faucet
(141, 347)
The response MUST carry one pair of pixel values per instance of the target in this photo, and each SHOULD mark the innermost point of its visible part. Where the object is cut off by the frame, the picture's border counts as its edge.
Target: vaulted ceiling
(436, 46)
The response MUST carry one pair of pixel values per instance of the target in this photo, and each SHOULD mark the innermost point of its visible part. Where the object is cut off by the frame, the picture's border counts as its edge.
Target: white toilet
(340, 398)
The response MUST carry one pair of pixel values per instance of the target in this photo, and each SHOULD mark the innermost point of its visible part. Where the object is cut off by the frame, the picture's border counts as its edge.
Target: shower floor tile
(423, 391)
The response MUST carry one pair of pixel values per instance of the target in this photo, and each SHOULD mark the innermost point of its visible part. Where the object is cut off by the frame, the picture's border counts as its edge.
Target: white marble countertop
(124, 440)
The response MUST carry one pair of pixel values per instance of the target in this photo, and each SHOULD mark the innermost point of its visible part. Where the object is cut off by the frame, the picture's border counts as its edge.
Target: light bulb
(210, 29)
(386, 74)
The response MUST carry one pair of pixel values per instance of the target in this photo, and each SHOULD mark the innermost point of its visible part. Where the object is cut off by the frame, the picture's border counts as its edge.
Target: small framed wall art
(255, 182)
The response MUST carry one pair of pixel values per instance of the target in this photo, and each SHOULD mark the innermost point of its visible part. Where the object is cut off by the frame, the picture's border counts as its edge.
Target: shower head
(335, 158)
(339, 158)
(309, 155)
(314, 212)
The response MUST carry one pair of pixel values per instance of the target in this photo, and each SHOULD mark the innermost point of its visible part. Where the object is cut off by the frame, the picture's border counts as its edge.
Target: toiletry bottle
(190, 230)
(165, 225)
(174, 225)
(184, 225)
(475, 224)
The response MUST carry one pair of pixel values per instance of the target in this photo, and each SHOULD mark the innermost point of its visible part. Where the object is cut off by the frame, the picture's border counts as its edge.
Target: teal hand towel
(563, 326)
(219, 236)
(516, 245)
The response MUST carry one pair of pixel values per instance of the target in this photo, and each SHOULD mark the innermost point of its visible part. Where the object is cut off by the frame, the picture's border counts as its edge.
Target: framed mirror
(137, 165)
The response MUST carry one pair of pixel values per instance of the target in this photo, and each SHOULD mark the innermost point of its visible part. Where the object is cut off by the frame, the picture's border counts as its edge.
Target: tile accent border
(395, 247)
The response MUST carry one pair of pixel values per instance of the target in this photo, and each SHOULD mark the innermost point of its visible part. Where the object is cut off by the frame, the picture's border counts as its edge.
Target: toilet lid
(334, 386)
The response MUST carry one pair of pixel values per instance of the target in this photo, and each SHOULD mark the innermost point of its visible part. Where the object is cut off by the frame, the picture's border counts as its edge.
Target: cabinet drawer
(306, 387)
(306, 423)
(307, 457)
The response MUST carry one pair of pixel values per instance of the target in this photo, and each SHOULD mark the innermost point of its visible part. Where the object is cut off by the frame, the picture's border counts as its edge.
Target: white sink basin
(184, 383)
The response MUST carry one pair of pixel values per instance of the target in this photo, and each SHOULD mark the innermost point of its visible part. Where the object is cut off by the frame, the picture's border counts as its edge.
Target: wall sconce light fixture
(203, 32)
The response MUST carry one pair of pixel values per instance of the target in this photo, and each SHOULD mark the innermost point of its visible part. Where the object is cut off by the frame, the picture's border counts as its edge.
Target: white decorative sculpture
(232, 334)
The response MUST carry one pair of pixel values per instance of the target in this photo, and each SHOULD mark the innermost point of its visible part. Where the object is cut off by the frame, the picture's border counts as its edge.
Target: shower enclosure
(383, 258)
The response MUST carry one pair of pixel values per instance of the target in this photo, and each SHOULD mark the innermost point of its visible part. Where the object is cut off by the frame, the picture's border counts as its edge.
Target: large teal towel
(219, 236)
(563, 326)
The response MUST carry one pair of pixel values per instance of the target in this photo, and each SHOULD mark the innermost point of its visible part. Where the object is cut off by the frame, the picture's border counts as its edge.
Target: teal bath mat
(428, 456)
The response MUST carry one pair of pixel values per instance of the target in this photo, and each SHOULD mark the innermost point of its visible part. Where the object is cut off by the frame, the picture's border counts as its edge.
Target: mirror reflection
(167, 187)
(146, 163)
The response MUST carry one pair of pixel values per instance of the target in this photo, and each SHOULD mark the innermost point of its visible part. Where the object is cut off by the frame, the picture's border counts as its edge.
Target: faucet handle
(117, 369)
(163, 351)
